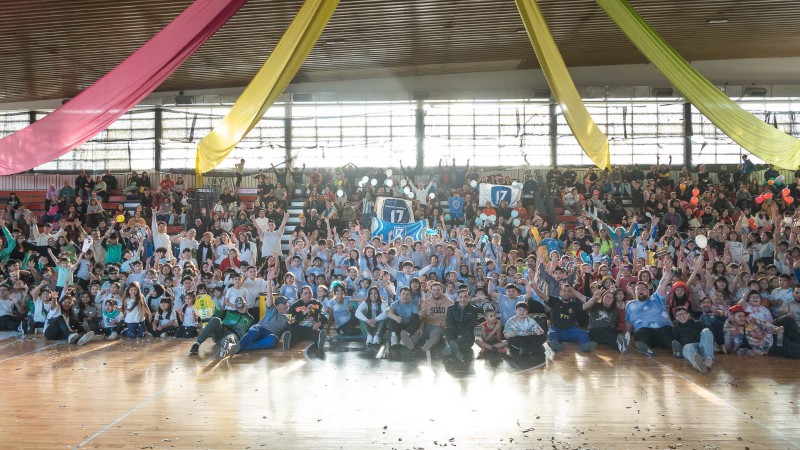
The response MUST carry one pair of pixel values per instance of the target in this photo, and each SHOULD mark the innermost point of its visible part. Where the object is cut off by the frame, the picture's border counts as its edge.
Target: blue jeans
(135, 329)
(573, 334)
(257, 338)
(705, 347)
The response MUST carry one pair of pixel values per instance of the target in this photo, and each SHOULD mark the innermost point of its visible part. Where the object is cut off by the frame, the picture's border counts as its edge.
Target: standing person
(135, 311)
(306, 320)
(239, 171)
(270, 237)
(647, 315)
(748, 168)
(461, 320)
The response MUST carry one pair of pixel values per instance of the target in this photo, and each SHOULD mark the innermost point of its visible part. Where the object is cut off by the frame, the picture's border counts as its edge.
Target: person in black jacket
(693, 340)
(306, 320)
(461, 320)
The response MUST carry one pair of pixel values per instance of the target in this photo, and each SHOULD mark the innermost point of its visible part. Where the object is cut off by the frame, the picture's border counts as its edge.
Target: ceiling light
(334, 41)
(716, 21)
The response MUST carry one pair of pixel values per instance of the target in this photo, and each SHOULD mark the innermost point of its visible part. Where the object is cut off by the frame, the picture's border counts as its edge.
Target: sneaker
(73, 338)
(86, 338)
(556, 346)
(195, 349)
(394, 340)
(286, 337)
(456, 351)
(622, 344)
(164, 336)
(589, 346)
(405, 338)
(224, 347)
(428, 345)
(676, 349)
(234, 349)
(369, 340)
(113, 335)
(699, 363)
(323, 336)
(645, 349)
(709, 362)
(376, 340)
(448, 351)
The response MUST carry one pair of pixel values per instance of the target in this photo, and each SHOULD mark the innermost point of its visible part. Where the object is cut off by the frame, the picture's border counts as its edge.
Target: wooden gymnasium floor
(150, 394)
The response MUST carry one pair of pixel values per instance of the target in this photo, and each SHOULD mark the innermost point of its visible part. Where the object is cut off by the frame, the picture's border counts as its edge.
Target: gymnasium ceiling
(55, 48)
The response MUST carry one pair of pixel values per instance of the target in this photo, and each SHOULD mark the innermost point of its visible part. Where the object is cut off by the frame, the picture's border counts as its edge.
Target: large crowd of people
(694, 264)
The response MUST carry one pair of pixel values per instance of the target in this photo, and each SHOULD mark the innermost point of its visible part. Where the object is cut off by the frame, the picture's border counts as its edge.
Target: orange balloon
(771, 182)
(768, 196)
(695, 192)
(788, 200)
(683, 186)
(694, 200)
(786, 192)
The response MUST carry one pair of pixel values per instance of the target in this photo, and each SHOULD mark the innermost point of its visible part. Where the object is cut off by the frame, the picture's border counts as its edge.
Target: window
(508, 133)
(638, 132)
(184, 127)
(374, 134)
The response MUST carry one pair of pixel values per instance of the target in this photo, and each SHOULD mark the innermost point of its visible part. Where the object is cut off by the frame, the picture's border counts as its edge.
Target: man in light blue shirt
(647, 315)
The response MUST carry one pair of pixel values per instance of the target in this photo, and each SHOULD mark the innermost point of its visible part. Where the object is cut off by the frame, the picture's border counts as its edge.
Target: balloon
(759, 199)
(484, 216)
(120, 218)
(514, 184)
(683, 186)
(492, 218)
(389, 182)
(340, 193)
(516, 222)
(770, 182)
(373, 182)
(365, 179)
(701, 241)
(695, 192)
(768, 196)
(473, 183)
(406, 190)
(339, 183)
(514, 213)
(478, 221)
(403, 182)
(410, 195)
(694, 200)
(788, 200)
(432, 196)
(448, 217)
(389, 173)
(778, 183)
(780, 179)
(752, 221)
(361, 183)
(786, 192)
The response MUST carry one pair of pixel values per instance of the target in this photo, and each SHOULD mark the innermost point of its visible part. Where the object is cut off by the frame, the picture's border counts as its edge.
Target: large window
(711, 146)
(128, 144)
(184, 127)
(638, 132)
(487, 133)
(374, 134)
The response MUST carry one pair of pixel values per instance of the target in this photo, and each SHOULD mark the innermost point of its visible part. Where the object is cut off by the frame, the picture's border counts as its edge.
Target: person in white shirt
(160, 236)
(271, 238)
(235, 291)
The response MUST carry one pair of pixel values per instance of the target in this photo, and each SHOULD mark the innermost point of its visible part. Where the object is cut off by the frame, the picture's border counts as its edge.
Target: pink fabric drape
(97, 107)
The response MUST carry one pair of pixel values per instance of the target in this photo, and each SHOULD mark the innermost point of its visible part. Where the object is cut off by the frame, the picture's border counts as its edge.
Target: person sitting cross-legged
(461, 320)
(693, 340)
(525, 336)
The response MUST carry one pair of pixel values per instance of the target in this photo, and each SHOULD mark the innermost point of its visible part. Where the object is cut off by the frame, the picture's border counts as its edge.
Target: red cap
(737, 308)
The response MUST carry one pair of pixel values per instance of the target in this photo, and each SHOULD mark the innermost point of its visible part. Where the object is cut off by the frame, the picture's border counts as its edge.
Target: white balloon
(365, 179)
(432, 195)
(492, 218)
(514, 184)
(478, 221)
(389, 173)
(516, 222)
(87, 243)
(410, 195)
(403, 182)
(484, 216)
(406, 190)
(473, 183)
(361, 183)
(701, 241)
(340, 193)
(514, 213)
(447, 217)
(389, 182)
(373, 182)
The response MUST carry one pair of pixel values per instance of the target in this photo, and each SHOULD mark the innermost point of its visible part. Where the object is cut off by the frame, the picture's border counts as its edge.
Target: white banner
(496, 193)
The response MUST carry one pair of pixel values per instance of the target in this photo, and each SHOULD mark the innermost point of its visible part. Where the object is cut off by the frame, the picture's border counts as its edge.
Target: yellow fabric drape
(753, 134)
(267, 85)
(590, 138)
